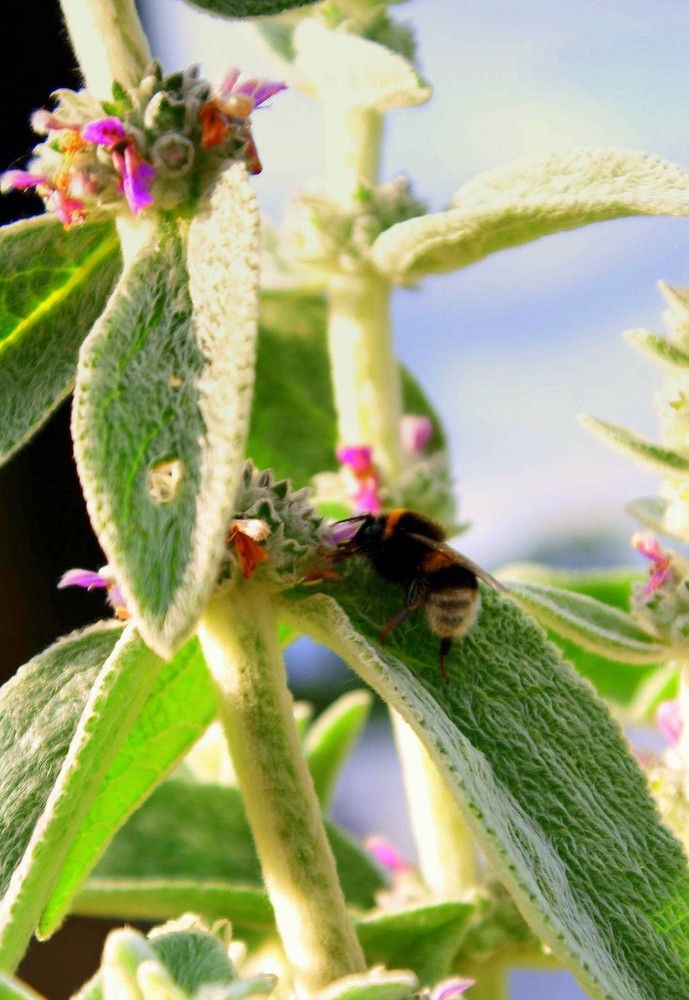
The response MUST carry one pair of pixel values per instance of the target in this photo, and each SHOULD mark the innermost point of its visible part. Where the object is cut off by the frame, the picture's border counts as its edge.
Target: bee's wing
(464, 561)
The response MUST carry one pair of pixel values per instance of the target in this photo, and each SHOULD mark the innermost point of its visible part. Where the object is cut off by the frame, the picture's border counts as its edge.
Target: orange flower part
(214, 125)
(245, 536)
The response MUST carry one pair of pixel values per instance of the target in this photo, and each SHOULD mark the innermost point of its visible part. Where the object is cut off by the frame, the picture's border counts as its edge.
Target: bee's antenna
(357, 517)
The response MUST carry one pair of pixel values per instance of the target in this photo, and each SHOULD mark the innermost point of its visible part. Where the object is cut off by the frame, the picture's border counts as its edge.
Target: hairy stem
(366, 383)
(365, 374)
(108, 41)
(445, 846)
(239, 639)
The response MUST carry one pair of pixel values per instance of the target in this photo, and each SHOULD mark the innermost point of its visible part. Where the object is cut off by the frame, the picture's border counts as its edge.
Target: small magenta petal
(260, 90)
(137, 176)
(416, 432)
(448, 989)
(357, 456)
(105, 132)
(228, 84)
(344, 531)
(19, 180)
(366, 499)
(669, 720)
(85, 578)
(386, 854)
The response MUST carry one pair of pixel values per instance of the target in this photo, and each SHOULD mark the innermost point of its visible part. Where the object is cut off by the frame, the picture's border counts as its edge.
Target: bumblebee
(409, 549)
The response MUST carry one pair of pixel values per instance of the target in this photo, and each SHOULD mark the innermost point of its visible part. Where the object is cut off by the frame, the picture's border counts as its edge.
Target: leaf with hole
(161, 409)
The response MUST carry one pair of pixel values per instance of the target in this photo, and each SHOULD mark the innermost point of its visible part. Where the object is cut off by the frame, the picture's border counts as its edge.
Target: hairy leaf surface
(161, 409)
(620, 682)
(170, 853)
(53, 287)
(543, 775)
(78, 756)
(530, 198)
(246, 8)
(654, 456)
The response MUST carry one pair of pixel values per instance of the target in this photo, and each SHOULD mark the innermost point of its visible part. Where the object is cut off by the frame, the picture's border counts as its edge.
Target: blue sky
(512, 349)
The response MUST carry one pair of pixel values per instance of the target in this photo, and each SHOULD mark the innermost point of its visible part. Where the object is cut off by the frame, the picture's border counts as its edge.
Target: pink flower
(68, 210)
(104, 579)
(108, 132)
(448, 989)
(386, 854)
(669, 720)
(366, 481)
(647, 544)
(136, 174)
(416, 432)
(20, 180)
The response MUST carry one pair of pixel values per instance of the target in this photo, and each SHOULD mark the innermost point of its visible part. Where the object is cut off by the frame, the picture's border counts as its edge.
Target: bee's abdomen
(452, 612)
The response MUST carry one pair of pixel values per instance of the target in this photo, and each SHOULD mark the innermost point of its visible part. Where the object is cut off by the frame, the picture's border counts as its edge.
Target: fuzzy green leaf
(63, 793)
(161, 409)
(619, 682)
(246, 8)
(112, 707)
(355, 72)
(53, 286)
(543, 776)
(640, 449)
(331, 739)
(659, 348)
(530, 198)
(170, 856)
(180, 706)
(424, 939)
(653, 513)
(596, 626)
(293, 376)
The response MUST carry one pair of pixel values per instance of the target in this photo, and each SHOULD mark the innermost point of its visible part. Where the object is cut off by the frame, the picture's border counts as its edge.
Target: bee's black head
(365, 533)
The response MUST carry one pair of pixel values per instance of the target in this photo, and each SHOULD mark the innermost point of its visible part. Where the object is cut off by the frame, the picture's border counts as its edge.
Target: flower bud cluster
(158, 144)
(661, 604)
(294, 531)
(320, 232)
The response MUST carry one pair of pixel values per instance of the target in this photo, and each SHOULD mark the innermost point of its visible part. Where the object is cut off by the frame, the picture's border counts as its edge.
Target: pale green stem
(492, 981)
(240, 642)
(353, 138)
(108, 41)
(366, 383)
(445, 847)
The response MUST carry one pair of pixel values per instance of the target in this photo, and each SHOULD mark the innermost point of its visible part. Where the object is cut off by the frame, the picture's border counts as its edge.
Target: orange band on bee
(435, 560)
(392, 519)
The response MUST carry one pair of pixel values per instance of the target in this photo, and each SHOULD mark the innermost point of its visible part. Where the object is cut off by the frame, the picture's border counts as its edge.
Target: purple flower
(137, 176)
(85, 578)
(104, 579)
(259, 91)
(416, 432)
(108, 132)
(449, 989)
(358, 458)
(669, 720)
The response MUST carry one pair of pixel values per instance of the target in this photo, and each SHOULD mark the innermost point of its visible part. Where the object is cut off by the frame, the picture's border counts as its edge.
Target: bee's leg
(413, 601)
(445, 645)
(393, 623)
